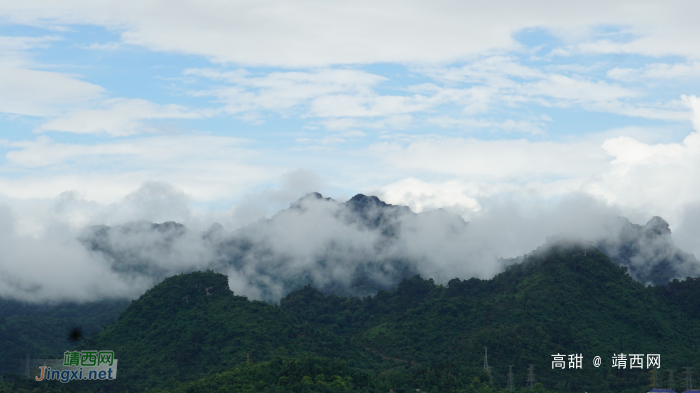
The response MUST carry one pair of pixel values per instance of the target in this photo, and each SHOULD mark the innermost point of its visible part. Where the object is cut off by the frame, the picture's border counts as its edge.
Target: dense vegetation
(44, 330)
(191, 334)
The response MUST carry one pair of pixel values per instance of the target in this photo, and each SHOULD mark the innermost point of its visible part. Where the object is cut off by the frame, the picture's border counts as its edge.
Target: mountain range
(191, 333)
(386, 325)
(357, 248)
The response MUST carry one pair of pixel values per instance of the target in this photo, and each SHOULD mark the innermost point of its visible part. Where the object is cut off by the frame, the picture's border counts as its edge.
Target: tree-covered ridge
(192, 324)
(563, 298)
(309, 373)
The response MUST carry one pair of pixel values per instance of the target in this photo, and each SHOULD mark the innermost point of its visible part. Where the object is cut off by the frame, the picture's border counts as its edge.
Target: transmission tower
(657, 379)
(486, 359)
(509, 386)
(486, 364)
(530, 376)
(688, 378)
(670, 379)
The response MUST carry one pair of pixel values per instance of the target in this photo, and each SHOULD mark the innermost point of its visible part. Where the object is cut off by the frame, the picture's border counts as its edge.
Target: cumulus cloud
(423, 196)
(643, 175)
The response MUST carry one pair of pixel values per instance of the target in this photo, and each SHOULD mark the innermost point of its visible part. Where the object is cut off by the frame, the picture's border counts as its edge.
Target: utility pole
(509, 386)
(490, 376)
(530, 376)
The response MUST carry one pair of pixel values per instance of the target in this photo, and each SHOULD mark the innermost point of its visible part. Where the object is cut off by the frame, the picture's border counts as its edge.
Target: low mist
(75, 250)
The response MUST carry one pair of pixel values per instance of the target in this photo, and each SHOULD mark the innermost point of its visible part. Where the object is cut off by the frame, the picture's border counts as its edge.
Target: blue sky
(429, 104)
(529, 119)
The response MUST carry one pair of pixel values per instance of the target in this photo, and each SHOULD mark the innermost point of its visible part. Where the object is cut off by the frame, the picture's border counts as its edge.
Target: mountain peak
(312, 196)
(657, 226)
(363, 203)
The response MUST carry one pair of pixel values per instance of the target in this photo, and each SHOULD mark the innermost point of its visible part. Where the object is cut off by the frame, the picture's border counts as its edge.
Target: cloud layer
(526, 119)
(356, 247)
(317, 33)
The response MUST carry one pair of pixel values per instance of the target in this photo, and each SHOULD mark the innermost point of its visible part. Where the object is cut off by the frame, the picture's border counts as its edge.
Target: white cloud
(496, 71)
(109, 46)
(341, 98)
(15, 51)
(395, 122)
(206, 167)
(519, 161)
(117, 117)
(422, 196)
(319, 48)
(535, 127)
(567, 90)
(498, 81)
(653, 176)
(318, 33)
(43, 93)
(657, 71)
(338, 98)
(622, 171)
(76, 106)
(283, 92)
(54, 266)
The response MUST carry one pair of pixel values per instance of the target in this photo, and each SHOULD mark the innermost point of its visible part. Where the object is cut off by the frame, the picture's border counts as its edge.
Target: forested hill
(563, 299)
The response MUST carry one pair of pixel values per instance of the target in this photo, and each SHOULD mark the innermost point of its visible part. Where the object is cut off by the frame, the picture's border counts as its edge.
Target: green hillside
(192, 324)
(564, 300)
(43, 330)
(192, 334)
